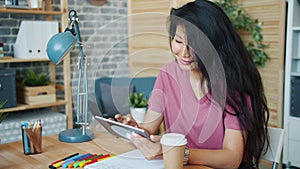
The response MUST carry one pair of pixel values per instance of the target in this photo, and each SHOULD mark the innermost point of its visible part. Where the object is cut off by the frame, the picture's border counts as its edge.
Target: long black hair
(207, 26)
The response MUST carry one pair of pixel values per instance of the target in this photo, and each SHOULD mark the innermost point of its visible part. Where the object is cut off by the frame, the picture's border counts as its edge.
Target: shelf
(295, 74)
(29, 11)
(8, 59)
(28, 107)
(297, 28)
(62, 13)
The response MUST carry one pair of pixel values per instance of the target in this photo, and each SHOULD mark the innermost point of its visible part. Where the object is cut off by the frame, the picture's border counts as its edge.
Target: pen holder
(32, 140)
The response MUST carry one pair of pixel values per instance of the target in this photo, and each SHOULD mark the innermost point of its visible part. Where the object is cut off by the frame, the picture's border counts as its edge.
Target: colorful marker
(51, 166)
(66, 163)
(61, 162)
(97, 159)
(89, 160)
(103, 157)
(77, 163)
(70, 156)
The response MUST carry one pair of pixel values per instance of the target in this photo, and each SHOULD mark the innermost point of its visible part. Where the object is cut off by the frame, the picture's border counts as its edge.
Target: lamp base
(75, 135)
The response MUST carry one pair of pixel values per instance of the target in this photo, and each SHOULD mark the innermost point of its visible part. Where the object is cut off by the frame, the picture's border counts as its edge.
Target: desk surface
(12, 156)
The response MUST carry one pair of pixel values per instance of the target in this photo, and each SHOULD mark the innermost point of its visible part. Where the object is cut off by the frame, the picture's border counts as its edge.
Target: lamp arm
(82, 94)
(74, 24)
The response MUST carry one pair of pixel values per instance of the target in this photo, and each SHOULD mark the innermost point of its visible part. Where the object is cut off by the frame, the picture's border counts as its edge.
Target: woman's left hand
(149, 149)
(129, 120)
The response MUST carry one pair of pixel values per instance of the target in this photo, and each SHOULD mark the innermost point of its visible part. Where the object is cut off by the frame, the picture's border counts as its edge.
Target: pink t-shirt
(201, 121)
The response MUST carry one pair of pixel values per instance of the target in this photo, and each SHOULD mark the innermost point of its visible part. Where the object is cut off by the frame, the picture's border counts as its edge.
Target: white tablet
(120, 130)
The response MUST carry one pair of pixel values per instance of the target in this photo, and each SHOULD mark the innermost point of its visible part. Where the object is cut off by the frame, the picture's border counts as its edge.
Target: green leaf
(33, 78)
(241, 20)
(137, 100)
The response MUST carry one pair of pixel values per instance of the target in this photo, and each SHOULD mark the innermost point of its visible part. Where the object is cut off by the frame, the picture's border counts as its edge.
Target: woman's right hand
(128, 119)
(150, 149)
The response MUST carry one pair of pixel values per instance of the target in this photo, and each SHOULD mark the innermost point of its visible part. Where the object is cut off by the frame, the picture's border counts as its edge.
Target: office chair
(273, 154)
(112, 93)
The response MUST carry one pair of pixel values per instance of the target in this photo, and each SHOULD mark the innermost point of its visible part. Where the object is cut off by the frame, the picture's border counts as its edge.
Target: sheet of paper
(130, 160)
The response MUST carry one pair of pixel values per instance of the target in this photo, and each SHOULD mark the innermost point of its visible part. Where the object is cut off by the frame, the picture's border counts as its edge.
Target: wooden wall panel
(148, 36)
(179, 3)
(149, 47)
(272, 14)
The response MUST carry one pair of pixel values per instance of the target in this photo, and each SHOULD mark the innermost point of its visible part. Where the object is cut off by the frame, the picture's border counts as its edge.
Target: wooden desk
(12, 156)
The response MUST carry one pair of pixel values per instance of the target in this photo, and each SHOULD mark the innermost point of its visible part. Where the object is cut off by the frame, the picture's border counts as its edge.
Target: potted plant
(36, 88)
(33, 78)
(138, 104)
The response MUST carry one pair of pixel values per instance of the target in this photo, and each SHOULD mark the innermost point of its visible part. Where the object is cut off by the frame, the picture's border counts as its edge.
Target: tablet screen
(120, 129)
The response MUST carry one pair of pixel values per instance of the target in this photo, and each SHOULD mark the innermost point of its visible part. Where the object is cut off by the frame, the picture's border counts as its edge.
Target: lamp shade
(59, 46)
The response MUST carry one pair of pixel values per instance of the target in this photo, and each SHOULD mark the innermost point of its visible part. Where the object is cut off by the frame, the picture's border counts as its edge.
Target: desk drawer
(294, 126)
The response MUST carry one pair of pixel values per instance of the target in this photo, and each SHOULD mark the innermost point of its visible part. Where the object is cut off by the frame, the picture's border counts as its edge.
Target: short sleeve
(231, 120)
(157, 99)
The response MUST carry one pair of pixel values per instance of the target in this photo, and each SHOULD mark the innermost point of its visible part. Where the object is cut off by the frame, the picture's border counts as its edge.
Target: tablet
(121, 130)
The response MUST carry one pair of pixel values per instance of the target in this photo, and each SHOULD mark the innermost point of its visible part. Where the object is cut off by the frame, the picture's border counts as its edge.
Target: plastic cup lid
(173, 139)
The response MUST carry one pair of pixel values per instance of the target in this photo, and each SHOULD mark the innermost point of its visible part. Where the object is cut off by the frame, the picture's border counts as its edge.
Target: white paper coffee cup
(173, 145)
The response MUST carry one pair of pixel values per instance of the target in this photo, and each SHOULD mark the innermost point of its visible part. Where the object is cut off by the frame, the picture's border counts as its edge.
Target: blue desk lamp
(57, 48)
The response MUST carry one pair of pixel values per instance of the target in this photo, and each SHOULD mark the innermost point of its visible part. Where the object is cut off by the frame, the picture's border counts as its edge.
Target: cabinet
(291, 148)
(66, 87)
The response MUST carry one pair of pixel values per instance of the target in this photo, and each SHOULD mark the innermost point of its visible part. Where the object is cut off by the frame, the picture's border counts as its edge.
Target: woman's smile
(186, 62)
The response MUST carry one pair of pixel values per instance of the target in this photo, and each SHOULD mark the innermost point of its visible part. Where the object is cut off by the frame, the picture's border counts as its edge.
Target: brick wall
(105, 25)
(9, 27)
(104, 35)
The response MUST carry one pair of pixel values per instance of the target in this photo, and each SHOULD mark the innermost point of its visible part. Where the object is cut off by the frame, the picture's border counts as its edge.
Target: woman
(212, 93)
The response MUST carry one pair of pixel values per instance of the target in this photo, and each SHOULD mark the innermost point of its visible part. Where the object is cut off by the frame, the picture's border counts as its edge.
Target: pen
(70, 156)
(26, 143)
(35, 124)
